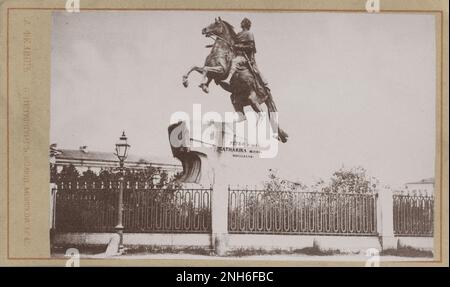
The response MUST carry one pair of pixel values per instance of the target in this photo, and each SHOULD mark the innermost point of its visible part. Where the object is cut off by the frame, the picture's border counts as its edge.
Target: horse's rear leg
(225, 86)
(273, 117)
(239, 110)
(253, 98)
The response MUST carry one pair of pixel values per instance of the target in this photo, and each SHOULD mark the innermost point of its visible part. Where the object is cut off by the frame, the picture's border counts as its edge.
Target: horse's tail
(272, 108)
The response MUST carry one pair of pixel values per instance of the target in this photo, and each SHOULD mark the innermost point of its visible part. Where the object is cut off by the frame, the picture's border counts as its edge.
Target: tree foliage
(70, 173)
(348, 180)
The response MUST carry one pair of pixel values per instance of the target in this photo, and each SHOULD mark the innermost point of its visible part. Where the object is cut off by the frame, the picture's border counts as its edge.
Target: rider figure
(245, 43)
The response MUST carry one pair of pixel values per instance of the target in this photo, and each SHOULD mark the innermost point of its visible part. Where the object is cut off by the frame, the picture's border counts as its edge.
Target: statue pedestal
(218, 156)
(217, 160)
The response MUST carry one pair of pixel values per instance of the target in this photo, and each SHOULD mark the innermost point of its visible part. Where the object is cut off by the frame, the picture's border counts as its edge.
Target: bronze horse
(244, 85)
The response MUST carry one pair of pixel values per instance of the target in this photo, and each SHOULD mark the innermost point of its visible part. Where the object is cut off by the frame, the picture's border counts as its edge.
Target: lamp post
(121, 152)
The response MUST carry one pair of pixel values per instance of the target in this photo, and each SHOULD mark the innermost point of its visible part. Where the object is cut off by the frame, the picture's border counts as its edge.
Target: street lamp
(121, 152)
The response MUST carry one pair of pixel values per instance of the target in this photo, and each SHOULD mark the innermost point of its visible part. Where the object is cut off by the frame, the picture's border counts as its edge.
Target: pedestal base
(217, 164)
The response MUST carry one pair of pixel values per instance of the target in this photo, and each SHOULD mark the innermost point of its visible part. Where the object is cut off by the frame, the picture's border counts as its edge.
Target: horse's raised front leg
(207, 80)
(186, 76)
(205, 86)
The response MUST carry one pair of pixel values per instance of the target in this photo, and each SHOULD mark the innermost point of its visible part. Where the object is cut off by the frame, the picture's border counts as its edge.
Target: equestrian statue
(231, 64)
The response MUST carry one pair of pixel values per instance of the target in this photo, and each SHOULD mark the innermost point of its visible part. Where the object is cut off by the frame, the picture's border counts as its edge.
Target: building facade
(422, 187)
(83, 160)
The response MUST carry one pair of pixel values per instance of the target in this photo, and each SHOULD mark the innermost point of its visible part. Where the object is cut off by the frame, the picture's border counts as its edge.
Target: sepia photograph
(243, 135)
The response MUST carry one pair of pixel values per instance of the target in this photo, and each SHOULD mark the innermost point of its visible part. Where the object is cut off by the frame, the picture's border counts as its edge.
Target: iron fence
(413, 215)
(82, 208)
(92, 207)
(280, 212)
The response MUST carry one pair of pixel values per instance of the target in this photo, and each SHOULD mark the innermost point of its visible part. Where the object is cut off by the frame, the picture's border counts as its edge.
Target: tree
(352, 180)
(105, 175)
(164, 178)
(276, 183)
(69, 173)
(147, 174)
(53, 173)
(89, 176)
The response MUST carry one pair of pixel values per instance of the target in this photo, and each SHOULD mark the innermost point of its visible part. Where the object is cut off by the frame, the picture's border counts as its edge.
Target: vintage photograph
(294, 136)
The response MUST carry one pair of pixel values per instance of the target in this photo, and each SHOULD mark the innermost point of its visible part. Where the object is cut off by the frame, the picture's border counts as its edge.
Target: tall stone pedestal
(219, 161)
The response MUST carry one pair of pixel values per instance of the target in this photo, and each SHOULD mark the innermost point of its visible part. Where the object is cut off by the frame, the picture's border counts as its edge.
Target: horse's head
(217, 28)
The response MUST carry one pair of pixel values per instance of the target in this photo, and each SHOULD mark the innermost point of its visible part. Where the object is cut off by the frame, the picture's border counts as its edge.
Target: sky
(352, 89)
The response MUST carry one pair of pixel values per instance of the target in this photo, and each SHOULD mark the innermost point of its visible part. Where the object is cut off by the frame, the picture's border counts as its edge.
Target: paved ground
(291, 257)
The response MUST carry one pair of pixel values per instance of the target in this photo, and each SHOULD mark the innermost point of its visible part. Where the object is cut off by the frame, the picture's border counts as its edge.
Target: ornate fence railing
(413, 215)
(92, 207)
(279, 212)
(82, 208)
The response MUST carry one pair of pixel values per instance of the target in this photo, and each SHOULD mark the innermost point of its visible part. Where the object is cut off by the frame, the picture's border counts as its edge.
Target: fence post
(219, 218)
(385, 219)
(53, 190)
